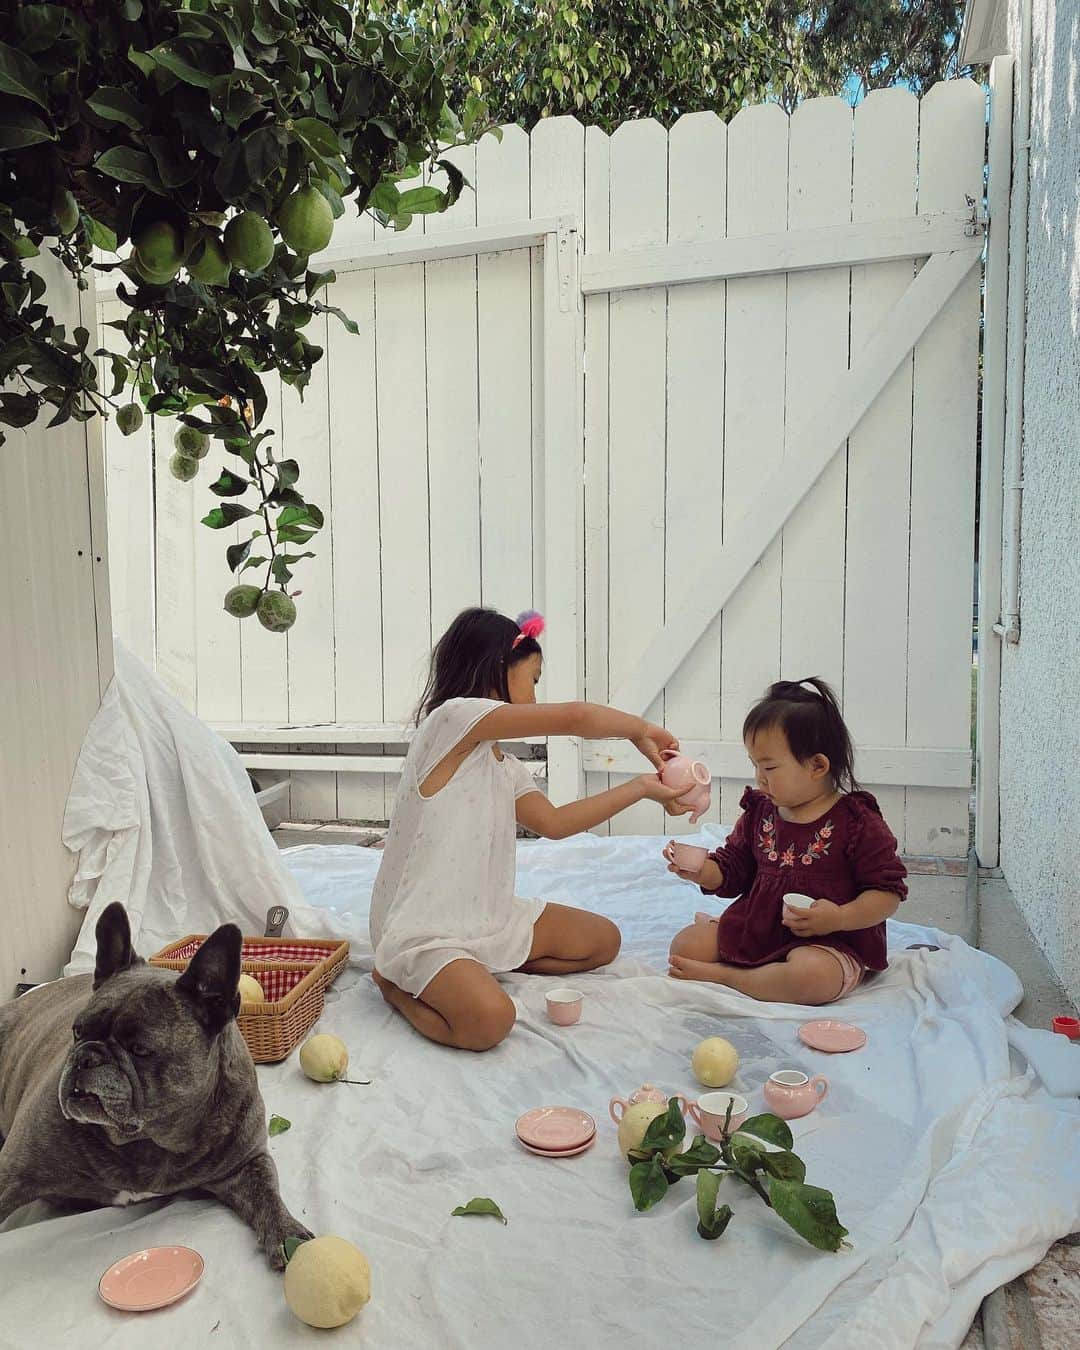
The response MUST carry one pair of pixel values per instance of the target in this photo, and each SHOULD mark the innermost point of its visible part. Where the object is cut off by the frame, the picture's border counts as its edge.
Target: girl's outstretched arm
(591, 721)
(536, 813)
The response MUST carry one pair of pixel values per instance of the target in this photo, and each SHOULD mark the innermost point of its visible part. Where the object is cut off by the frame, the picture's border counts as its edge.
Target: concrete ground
(1041, 1311)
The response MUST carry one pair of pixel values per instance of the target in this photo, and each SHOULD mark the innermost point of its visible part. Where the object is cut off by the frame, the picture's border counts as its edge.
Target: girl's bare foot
(683, 968)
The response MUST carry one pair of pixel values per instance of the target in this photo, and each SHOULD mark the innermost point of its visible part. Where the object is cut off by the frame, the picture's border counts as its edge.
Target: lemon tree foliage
(522, 60)
(220, 139)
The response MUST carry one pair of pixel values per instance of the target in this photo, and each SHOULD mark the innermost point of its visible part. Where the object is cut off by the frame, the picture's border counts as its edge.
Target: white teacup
(798, 903)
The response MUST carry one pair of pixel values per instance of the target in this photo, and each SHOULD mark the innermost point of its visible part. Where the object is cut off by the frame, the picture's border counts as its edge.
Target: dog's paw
(275, 1250)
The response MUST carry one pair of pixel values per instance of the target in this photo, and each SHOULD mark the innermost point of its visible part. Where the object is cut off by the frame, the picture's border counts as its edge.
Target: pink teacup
(686, 857)
(564, 1006)
(694, 775)
(709, 1111)
(790, 1094)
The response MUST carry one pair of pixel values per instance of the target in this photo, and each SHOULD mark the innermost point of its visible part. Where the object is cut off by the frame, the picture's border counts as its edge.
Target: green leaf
(648, 1185)
(236, 553)
(811, 1211)
(288, 471)
(19, 75)
(479, 1205)
(315, 281)
(290, 1245)
(349, 324)
(747, 1155)
(229, 485)
(197, 63)
(421, 201)
(19, 128)
(229, 514)
(18, 410)
(768, 1127)
(385, 198)
(700, 1154)
(129, 166)
(278, 1125)
(665, 1131)
(708, 1187)
(117, 105)
(142, 61)
(318, 136)
(785, 1166)
(720, 1220)
(100, 235)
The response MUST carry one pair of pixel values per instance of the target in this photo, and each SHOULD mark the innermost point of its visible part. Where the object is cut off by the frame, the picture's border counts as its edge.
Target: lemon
(249, 241)
(242, 601)
(153, 277)
(159, 248)
(191, 441)
(129, 419)
(327, 1282)
(715, 1062)
(306, 221)
(65, 211)
(324, 1058)
(635, 1121)
(210, 264)
(276, 611)
(251, 991)
(183, 466)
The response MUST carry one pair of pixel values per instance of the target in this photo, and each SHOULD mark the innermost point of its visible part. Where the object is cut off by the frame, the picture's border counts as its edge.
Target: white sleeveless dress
(445, 888)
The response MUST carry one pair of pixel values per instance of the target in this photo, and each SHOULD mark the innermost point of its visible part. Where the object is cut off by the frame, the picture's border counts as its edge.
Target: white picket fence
(764, 464)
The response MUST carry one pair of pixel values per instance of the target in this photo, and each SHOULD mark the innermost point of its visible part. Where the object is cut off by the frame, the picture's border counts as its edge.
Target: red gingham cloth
(275, 983)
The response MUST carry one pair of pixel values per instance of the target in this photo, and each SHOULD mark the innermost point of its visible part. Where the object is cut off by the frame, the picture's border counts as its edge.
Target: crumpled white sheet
(952, 1167)
(163, 818)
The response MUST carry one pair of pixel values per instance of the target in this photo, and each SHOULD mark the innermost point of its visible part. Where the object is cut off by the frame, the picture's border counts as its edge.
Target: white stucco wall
(1040, 696)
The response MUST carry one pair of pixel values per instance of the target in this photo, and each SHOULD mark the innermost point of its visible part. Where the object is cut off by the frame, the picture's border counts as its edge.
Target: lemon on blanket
(715, 1062)
(636, 1119)
(251, 991)
(324, 1058)
(327, 1281)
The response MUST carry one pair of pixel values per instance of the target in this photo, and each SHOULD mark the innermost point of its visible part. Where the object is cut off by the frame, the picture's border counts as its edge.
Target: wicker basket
(294, 973)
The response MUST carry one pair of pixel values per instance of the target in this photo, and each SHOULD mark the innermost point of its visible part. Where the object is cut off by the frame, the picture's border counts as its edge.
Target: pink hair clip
(531, 624)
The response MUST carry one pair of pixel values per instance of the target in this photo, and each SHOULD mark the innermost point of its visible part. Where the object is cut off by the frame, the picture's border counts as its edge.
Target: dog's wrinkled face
(144, 1044)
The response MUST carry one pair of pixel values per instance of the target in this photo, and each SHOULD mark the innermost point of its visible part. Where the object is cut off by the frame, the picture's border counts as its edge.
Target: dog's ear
(211, 979)
(114, 952)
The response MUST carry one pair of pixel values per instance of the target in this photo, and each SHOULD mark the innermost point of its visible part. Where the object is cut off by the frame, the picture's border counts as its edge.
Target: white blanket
(952, 1167)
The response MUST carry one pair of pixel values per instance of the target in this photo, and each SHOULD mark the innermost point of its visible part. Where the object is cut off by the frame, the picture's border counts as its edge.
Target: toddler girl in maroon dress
(810, 829)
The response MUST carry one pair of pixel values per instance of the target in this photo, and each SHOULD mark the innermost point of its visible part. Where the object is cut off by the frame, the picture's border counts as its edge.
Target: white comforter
(951, 1166)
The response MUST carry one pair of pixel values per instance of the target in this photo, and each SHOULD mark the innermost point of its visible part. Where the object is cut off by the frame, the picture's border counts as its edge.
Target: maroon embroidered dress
(844, 852)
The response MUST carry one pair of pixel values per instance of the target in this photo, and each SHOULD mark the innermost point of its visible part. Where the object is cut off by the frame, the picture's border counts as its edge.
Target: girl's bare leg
(566, 940)
(806, 976)
(464, 1006)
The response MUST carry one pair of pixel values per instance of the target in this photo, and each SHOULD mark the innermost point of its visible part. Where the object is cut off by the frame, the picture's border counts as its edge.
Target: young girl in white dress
(444, 917)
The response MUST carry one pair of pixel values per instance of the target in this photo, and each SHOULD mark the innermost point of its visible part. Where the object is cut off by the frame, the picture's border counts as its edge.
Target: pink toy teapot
(646, 1093)
(790, 1094)
(679, 770)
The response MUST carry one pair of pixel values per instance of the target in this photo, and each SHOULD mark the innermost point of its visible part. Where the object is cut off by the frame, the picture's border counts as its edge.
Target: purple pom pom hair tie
(531, 624)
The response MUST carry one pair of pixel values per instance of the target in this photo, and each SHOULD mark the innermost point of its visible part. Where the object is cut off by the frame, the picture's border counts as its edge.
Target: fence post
(564, 488)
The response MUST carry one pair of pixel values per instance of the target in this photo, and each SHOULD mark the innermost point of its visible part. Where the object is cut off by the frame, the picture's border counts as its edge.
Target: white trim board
(791, 251)
(811, 449)
(903, 766)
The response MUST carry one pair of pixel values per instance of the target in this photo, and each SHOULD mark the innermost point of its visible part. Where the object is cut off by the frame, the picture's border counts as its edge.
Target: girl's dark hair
(472, 658)
(811, 721)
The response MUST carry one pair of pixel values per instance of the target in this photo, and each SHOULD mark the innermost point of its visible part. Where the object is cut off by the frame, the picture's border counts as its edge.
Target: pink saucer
(554, 1129)
(558, 1153)
(150, 1279)
(835, 1037)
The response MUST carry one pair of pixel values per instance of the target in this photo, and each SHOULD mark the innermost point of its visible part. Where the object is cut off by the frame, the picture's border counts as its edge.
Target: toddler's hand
(821, 918)
(655, 791)
(654, 739)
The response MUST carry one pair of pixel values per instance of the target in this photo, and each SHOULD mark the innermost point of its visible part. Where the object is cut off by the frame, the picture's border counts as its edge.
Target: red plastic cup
(1067, 1026)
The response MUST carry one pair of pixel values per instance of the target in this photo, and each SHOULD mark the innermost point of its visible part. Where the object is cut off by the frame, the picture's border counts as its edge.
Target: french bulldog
(135, 1083)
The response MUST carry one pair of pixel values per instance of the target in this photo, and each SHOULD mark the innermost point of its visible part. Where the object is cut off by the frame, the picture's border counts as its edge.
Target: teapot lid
(647, 1093)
